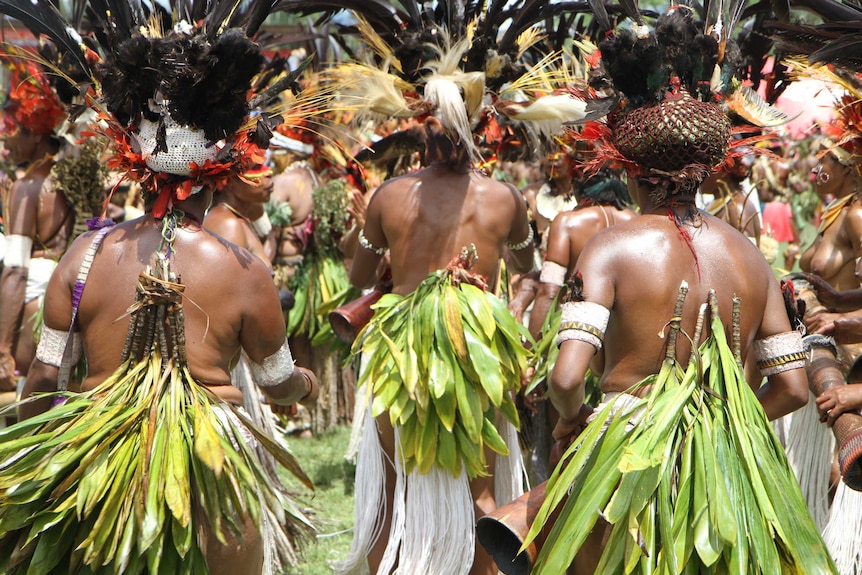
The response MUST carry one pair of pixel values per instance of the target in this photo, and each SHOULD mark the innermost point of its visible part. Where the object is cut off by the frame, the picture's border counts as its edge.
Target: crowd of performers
(588, 307)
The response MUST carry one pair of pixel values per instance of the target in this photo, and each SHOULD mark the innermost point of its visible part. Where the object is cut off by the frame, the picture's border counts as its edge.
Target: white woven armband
(274, 369)
(779, 352)
(18, 250)
(584, 321)
(52, 346)
(553, 273)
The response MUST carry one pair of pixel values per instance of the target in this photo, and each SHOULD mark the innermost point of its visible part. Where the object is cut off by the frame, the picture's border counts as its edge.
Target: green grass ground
(331, 505)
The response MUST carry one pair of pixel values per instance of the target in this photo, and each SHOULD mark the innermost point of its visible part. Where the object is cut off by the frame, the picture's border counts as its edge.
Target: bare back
(427, 217)
(571, 231)
(295, 186)
(52, 219)
(636, 268)
(229, 297)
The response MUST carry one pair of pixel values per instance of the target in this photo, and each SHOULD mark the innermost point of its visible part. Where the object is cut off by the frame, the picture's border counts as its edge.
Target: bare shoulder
(393, 188)
(501, 191)
(211, 248)
(25, 189)
(579, 217)
(70, 263)
(225, 225)
(854, 217)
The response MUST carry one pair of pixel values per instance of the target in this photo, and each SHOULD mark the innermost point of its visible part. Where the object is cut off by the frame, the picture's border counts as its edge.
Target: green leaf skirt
(699, 483)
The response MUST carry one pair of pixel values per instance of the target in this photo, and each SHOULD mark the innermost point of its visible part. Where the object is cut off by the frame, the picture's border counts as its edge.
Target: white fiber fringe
(273, 538)
(843, 533)
(433, 522)
(510, 473)
(369, 495)
(810, 447)
(360, 412)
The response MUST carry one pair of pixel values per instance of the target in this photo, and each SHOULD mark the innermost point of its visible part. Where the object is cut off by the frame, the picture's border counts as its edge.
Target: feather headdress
(31, 102)
(673, 127)
(457, 61)
(172, 97)
(844, 133)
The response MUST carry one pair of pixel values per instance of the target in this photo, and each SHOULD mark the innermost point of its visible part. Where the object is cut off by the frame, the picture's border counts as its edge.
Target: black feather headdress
(164, 80)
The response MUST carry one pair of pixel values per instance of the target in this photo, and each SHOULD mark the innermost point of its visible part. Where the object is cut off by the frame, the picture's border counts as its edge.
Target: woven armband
(583, 321)
(779, 352)
(553, 273)
(18, 250)
(274, 369)
(52, 345)
(522, 244)
(363, 241)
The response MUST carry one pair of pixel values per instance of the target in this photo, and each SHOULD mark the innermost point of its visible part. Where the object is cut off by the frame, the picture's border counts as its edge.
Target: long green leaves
(320, 285)
(109, 481)
(698, 484)
(441, 361)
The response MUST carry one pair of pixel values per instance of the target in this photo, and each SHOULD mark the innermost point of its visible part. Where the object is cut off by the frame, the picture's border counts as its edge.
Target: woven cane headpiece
(677, 88)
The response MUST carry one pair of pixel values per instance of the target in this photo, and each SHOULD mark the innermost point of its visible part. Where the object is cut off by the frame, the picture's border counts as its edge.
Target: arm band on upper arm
(584, 321)
(363, 241)
(779, 352)
(18, 250)
(522, 244)
(274, 369)
(553, 273)
(52, 345)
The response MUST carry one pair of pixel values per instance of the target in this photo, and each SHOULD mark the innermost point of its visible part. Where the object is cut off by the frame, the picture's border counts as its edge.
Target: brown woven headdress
(678, 86)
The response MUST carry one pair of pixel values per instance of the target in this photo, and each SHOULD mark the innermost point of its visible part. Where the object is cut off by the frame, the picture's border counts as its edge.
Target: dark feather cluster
(129, 76)
(204, 84)
(642, 68)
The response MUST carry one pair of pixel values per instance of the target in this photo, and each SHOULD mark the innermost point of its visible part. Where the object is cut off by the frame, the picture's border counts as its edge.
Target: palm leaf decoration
(443, 360)
(123, 478)
(699, 485)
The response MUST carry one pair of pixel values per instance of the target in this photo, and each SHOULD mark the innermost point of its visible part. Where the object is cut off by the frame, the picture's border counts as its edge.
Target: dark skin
(244, 198)
(740, 211)
(833, 254)
(635, 269)
(295, 187)
(425, 218)
(36, 211)
(230, 303)
(569, 234)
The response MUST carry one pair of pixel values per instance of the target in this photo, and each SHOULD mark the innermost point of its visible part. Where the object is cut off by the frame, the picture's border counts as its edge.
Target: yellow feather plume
(371, 89)
(377, 44)
(527, 39)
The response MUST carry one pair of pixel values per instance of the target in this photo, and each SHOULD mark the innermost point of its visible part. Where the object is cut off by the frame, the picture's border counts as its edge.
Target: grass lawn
(331, 505)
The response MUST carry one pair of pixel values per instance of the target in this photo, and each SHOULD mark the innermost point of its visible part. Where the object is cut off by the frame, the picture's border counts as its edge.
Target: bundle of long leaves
(699, 484)
(123, 478)
(320, 285)
(442, 360)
